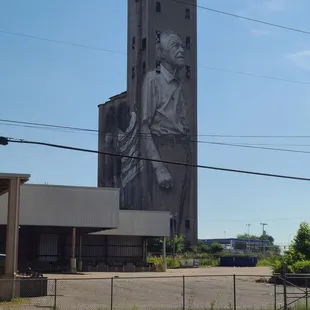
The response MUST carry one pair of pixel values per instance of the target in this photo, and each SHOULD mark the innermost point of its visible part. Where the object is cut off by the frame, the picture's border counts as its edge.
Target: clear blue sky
(53, 83)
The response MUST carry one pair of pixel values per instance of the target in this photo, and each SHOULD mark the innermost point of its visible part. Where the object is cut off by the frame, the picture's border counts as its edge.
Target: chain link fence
(159, 292)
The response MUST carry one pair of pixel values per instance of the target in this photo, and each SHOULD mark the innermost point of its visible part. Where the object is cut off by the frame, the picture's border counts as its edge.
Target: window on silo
(187, 224)
(187, 13)
(157, 66)
(143, 67)
(133, 43)
(188, 43)
(133, 72)
(157, 36)
(188, 72)
(158, 7)
(143, 45)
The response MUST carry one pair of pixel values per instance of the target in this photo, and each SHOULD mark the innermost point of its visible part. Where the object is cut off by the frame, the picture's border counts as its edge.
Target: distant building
(238, 244)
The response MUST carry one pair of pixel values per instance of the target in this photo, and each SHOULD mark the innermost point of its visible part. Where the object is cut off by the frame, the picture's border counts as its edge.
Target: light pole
(249, 232)
(263, 234)
(225, 234)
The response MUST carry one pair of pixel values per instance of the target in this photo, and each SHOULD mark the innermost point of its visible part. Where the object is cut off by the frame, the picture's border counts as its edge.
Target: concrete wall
(48, 205)
(141, 223)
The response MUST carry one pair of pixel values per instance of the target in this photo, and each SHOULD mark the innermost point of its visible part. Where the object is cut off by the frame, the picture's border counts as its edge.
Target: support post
(80, 265)
(73, 258)
(12, 229)
(11, 286)
(164, 256)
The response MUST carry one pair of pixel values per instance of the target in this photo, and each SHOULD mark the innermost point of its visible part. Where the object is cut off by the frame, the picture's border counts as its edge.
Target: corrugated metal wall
(108, 249)
(125, 248)
(48, 248)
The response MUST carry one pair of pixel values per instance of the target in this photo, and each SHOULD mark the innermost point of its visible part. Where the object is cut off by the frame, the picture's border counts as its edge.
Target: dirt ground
(203, 287)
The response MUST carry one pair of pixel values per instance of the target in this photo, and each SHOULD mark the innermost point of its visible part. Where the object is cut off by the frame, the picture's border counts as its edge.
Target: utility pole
(249, 232)
(263, 233)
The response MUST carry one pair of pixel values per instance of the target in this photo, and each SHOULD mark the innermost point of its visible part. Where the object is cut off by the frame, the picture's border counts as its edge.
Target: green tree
(200, 247)
(216, 248)
(301, 243)
(247, 236)
(178, 242)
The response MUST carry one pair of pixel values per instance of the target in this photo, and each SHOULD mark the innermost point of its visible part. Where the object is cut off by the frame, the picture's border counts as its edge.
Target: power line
(123, 53)
(142, 136)
(62, 42)
(267, 77)
(5, 140)
(246, 18)
(74, 128)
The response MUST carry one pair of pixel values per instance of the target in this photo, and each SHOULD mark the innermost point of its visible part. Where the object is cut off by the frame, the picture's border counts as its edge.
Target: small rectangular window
(143, 45)
(158, 7)
(133, 72)
(187, 224)
(187, 13)
(188, 72)
(157, 36)
(143, 67)
(188, 43)
(133, 43)
(157, 66)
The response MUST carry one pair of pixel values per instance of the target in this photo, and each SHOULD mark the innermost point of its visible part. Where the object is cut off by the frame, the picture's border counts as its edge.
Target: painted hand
(164, 178)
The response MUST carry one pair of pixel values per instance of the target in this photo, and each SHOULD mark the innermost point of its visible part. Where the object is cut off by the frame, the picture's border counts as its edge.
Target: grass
(14, 302)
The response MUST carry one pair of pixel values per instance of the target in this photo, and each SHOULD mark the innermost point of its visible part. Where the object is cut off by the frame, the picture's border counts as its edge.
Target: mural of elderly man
(165, 132)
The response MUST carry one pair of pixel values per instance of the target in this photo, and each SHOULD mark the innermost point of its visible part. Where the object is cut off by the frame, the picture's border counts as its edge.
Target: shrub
(173, 262)
(301, 266)
(158, 263)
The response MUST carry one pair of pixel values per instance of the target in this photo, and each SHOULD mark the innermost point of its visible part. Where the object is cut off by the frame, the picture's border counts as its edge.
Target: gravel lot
(204, 288)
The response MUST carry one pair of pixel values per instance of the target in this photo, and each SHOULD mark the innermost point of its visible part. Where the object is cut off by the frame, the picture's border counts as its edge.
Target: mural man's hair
(164, 40)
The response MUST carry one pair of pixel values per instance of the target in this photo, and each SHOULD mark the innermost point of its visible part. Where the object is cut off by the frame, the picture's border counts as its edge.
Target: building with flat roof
(61, 223)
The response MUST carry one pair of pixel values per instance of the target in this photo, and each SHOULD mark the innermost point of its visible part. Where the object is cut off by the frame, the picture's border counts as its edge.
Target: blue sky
(59, 84)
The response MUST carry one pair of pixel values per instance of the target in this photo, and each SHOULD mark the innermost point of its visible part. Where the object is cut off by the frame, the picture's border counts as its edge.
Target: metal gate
(294, 290)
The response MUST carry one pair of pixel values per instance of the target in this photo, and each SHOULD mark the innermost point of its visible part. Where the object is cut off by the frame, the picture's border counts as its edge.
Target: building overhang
(5, 180)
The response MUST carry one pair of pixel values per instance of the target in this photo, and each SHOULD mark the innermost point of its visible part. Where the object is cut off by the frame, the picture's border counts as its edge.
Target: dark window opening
(187, 224)
(143, 45)
(133, 72)
(157, 66)
(143, 67)
(188, 43)
(133, 43)
(158, 7)
(157, 36)
(187, 13)
(188, 72)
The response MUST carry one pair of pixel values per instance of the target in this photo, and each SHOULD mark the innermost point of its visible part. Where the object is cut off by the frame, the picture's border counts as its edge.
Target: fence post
(284, 288)
(275, 291)
(184, 292)
(235, 297)
(55, 296)
(306, 292)
(112, 286)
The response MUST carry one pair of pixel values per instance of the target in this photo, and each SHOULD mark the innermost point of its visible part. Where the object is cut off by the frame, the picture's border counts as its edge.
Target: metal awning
(5, 180)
